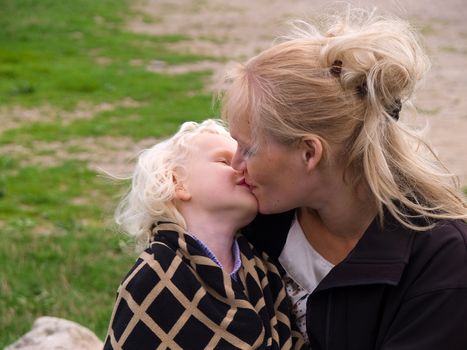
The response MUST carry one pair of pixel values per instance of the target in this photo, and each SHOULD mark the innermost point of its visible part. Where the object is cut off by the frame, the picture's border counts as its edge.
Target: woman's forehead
(238, 101)
(240, 128)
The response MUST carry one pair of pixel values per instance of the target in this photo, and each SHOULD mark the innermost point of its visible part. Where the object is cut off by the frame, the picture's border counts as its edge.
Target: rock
(51, 333)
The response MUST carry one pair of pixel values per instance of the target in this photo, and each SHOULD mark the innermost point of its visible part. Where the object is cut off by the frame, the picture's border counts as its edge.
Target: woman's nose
(238, 161)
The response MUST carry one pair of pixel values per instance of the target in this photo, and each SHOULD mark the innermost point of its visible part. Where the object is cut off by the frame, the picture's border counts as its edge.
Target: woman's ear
(312, 151)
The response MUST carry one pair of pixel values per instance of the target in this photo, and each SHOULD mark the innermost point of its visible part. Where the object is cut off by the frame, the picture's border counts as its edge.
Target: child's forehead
(210, 142)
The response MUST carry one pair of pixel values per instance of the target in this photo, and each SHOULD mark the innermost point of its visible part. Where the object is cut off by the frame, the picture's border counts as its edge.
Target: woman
(375, 253)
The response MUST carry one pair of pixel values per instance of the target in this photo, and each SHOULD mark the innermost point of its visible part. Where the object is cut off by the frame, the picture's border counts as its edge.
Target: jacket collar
(379, 257)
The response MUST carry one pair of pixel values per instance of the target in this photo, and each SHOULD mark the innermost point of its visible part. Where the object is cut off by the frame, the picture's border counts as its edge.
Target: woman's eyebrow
(237, 139)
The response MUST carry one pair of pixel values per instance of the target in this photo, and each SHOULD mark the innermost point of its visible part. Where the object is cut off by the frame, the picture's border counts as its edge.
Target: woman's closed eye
(246, 151)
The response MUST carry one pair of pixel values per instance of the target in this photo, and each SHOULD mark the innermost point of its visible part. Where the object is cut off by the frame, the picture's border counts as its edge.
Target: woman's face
(275, 172)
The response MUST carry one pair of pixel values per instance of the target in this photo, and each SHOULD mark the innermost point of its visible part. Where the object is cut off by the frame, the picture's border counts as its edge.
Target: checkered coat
(176, 297)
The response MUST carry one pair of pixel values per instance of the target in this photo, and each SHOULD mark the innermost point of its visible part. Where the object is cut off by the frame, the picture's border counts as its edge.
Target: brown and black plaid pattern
(176, 297)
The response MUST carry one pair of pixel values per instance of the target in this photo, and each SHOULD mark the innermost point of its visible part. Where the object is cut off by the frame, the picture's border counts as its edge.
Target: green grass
(48, 54)
(154, 119)
(59, 252)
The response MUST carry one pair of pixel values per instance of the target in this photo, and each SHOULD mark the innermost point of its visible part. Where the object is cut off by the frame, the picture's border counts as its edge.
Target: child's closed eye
(224, 161)
(224, 157)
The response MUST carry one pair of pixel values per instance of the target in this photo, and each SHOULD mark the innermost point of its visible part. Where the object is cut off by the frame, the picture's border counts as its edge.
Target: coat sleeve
(435, 320)
(148, 302)
(434, 313)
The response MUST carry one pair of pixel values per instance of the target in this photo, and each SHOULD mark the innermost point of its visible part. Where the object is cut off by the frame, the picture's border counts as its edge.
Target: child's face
(214, 186)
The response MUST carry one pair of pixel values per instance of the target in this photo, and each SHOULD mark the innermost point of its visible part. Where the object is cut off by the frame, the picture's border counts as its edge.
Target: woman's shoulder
(439, 257)
(445, 242)
(457, 227)
(444, 233)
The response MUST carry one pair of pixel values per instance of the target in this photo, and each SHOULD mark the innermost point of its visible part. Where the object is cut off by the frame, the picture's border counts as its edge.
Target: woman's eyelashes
(246, 151)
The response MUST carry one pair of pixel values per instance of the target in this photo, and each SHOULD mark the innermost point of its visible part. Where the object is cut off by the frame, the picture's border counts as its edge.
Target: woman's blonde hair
(154, 179)
(346, 84)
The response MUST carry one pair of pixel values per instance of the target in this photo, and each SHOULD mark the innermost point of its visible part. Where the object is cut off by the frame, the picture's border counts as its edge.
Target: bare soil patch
(14, 117)
(112, 155)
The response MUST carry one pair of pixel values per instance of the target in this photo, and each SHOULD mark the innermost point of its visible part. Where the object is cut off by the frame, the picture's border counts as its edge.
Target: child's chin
(250, 215)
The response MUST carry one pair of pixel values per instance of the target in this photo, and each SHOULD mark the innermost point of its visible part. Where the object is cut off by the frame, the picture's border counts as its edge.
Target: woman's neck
(336, 226)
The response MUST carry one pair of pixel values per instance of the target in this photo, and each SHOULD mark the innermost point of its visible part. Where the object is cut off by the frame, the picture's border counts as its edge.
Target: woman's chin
(266, 208)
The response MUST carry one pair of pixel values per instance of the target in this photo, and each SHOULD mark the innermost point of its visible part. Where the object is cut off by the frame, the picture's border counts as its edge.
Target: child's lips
(242, 182)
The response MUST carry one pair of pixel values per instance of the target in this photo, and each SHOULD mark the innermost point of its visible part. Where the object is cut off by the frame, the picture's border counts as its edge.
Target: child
(197, 284)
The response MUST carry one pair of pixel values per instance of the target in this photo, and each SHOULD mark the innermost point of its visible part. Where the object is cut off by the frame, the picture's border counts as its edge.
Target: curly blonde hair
(346, 85)
(153, 182)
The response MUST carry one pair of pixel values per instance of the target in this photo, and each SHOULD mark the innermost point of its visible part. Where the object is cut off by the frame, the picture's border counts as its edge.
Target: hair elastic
(362, 89)
(336, 68)
(396, 108)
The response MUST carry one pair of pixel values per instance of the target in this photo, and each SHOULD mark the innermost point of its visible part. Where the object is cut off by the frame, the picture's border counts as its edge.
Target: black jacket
(398, 289)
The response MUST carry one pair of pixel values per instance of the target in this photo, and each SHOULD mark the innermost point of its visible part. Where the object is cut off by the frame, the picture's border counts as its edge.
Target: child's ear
(312, 151)
(181, 192)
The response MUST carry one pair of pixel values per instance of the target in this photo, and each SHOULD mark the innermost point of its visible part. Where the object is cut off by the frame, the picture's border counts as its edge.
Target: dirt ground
(237, 30)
